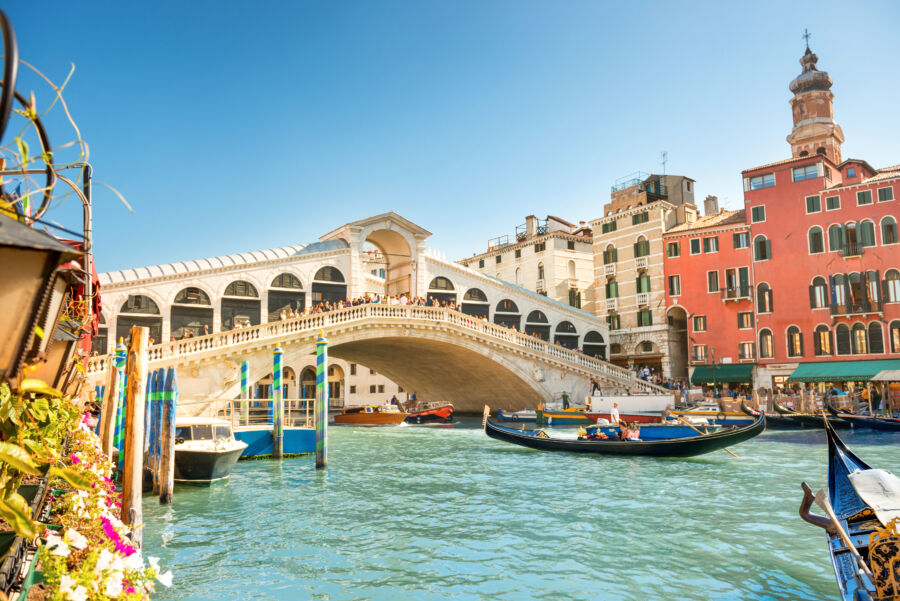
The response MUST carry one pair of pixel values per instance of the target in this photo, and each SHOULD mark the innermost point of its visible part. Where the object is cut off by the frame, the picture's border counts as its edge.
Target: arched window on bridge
(507, 314)
(191, 310)
(285, 292)
(594, 345)
(100, 343)
(240, 304)
(441, 289)
(537, 324)
(475, 303)
(566, 335)
(139, 310)
(328, 286)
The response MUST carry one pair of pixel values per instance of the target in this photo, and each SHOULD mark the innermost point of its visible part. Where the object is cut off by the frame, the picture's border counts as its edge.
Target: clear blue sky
(236, 126)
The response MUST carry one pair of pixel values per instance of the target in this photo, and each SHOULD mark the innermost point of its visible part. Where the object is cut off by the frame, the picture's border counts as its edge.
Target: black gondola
(865, 575)
(865, 421)
(773, 420)
(679, 447)
(809, 420)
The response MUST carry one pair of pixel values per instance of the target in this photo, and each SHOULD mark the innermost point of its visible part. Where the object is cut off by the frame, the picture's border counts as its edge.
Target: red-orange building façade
(803, 285)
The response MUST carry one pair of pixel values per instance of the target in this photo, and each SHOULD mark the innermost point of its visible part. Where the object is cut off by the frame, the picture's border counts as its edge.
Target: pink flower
(74, 458)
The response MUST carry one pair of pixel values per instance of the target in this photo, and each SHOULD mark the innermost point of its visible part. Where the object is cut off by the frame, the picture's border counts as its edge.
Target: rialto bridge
(506, 345)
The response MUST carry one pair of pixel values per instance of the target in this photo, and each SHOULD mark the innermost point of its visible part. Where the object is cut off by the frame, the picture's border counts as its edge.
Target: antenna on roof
(664, 158)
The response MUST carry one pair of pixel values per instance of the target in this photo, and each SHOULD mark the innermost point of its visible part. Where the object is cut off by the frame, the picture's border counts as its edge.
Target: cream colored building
(551, 257)
(629, 280)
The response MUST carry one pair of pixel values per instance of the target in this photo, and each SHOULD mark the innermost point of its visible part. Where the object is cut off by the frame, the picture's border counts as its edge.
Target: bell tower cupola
(815, 131)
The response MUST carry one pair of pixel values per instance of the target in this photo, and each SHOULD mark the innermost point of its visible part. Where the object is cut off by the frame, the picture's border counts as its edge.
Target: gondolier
(614, 415)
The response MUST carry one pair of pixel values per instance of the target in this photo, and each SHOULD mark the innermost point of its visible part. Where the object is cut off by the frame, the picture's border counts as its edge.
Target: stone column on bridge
(420, 271)
(357, 285)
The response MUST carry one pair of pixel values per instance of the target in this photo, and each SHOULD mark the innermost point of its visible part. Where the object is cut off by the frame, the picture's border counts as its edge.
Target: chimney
(711, 205)
(531, 226)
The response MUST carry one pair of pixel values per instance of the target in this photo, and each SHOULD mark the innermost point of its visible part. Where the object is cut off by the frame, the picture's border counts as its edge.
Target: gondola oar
(690, 425)
(822, 501)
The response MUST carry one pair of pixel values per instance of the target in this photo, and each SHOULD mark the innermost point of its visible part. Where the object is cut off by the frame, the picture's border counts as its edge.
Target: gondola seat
(884, 559)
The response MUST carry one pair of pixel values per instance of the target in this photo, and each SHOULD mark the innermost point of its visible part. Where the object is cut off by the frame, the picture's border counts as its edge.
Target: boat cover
(880, 489)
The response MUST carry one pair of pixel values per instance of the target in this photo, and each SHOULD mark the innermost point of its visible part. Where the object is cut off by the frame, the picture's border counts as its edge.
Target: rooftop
(720, 219)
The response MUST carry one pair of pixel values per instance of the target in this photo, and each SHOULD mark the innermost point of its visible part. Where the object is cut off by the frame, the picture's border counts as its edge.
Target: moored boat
(887, 424)
(863, 516)
(773, 420)
(437, 414)
(674, 447)
(371, 415)
(639, 408)
(809, 420)
(205, 450)
(573, 416)
(526, 415)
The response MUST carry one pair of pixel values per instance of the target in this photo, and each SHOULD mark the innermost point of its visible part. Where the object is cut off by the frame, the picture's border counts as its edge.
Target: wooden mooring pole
(133, 463)
(167, 438)
(110, 408)
(321, 413)
(277, 406)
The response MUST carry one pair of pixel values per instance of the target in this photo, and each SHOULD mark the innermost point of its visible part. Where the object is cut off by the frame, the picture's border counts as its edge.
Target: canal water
(425, 513)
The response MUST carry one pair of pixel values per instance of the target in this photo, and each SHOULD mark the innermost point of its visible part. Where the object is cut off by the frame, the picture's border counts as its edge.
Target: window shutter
(876, 341)
(768, 249)
(615, 255)
(734, 240)
(885, 290)
(843, 340)
(771, 301)
(812, 297)
(879, 299)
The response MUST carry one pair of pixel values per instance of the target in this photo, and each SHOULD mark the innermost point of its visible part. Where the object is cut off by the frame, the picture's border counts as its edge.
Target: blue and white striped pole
(245, 393)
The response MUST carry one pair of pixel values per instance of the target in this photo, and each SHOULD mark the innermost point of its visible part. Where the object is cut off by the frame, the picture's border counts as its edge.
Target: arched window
(818, 293)
(610, 255)
(895, 336)
(764, 298)
(892, 286)
(240, 305)
(328, 274)
(572, 277)
(594, 345)
(566, 335)
(441, 289)
(540, 271)
(762, 249)
(835, 238)
(192, 314)
(866, 233)
(537, 324)
(507, 313)
(876, 338)
(889, 230)
(100, 342)
(766, 347)
(285, 293)
(794, 342)
(823, 340)
(816, 240)
(475, 303)
(839, 292)
(842, 339)
(139, 310)
(859, 339)
(641, 247)
(328, 286)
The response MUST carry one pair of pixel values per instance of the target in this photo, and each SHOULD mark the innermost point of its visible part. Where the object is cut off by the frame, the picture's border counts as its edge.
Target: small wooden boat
(632, 408)
(371, 415)
(205, 450)
(676, 447)
(888, 424)
(809, 420)
(773, 420)
(573, 416)
(863, 509)
(713, 414)
(436, 414)
(526, 415)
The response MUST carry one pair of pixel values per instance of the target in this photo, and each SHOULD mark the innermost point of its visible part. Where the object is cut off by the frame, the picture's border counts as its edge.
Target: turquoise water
(447, 513)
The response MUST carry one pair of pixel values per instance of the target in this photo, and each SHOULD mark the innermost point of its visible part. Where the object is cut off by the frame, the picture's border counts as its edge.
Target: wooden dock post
(321, 413)
(277, 406)
(167, 438)
(132, 472)
(110, 408)
(245, 393)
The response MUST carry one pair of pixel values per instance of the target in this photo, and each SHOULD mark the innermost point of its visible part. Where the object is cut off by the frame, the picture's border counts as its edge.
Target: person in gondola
(614, 414)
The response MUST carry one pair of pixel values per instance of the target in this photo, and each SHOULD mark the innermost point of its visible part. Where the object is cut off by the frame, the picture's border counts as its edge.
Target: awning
(888, 375)
(726, 372)
(842, 371)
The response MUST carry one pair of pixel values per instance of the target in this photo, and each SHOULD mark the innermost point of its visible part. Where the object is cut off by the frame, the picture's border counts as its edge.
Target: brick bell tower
(815, 131)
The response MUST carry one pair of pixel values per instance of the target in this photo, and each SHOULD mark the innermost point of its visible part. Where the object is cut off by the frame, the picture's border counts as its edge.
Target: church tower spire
(815, 130)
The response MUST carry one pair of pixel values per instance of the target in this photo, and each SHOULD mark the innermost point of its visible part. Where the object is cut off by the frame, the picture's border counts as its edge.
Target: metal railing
(857, 308)
(172, 353)
(737, 293)
(852, 249)
(298, 413)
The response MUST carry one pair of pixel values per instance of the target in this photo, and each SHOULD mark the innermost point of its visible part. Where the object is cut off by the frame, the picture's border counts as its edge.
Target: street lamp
(32, 293)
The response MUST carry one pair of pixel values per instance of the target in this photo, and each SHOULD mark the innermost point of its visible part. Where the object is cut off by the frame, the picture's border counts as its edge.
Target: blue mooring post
(119, 430)
(245, 393)
(148, 404)
(321, 413)
(166, 472)
(277, 407)
(156, 419)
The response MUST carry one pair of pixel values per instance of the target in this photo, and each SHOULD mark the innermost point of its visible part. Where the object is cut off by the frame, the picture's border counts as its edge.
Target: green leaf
(18, 458)
(16, 511)
(39, 387)
(35, 447)
(70, 476)
(40, 409)
(23, 150)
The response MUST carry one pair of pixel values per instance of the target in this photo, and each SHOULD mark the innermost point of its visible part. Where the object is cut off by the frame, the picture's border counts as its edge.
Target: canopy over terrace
(888, 375)
(843, 371)
(725, 373)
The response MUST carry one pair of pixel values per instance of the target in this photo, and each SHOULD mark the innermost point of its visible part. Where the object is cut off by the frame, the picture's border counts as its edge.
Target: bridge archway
(398, 258)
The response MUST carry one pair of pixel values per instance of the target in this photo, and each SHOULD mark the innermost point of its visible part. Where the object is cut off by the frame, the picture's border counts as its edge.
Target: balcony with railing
(643, 299)
(737, 293)
(541, 285)
(852, 249)
(609, 269)
(864, 307)
(612, 304)
(642, 262)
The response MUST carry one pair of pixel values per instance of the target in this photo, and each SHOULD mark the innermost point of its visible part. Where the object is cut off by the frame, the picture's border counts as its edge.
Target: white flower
(114, 585)
(75, 539)
(154, 563)
(104, 560)
(165, 579)
(65, 583)
(59, 547)
(134, 562)
(79, 594)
